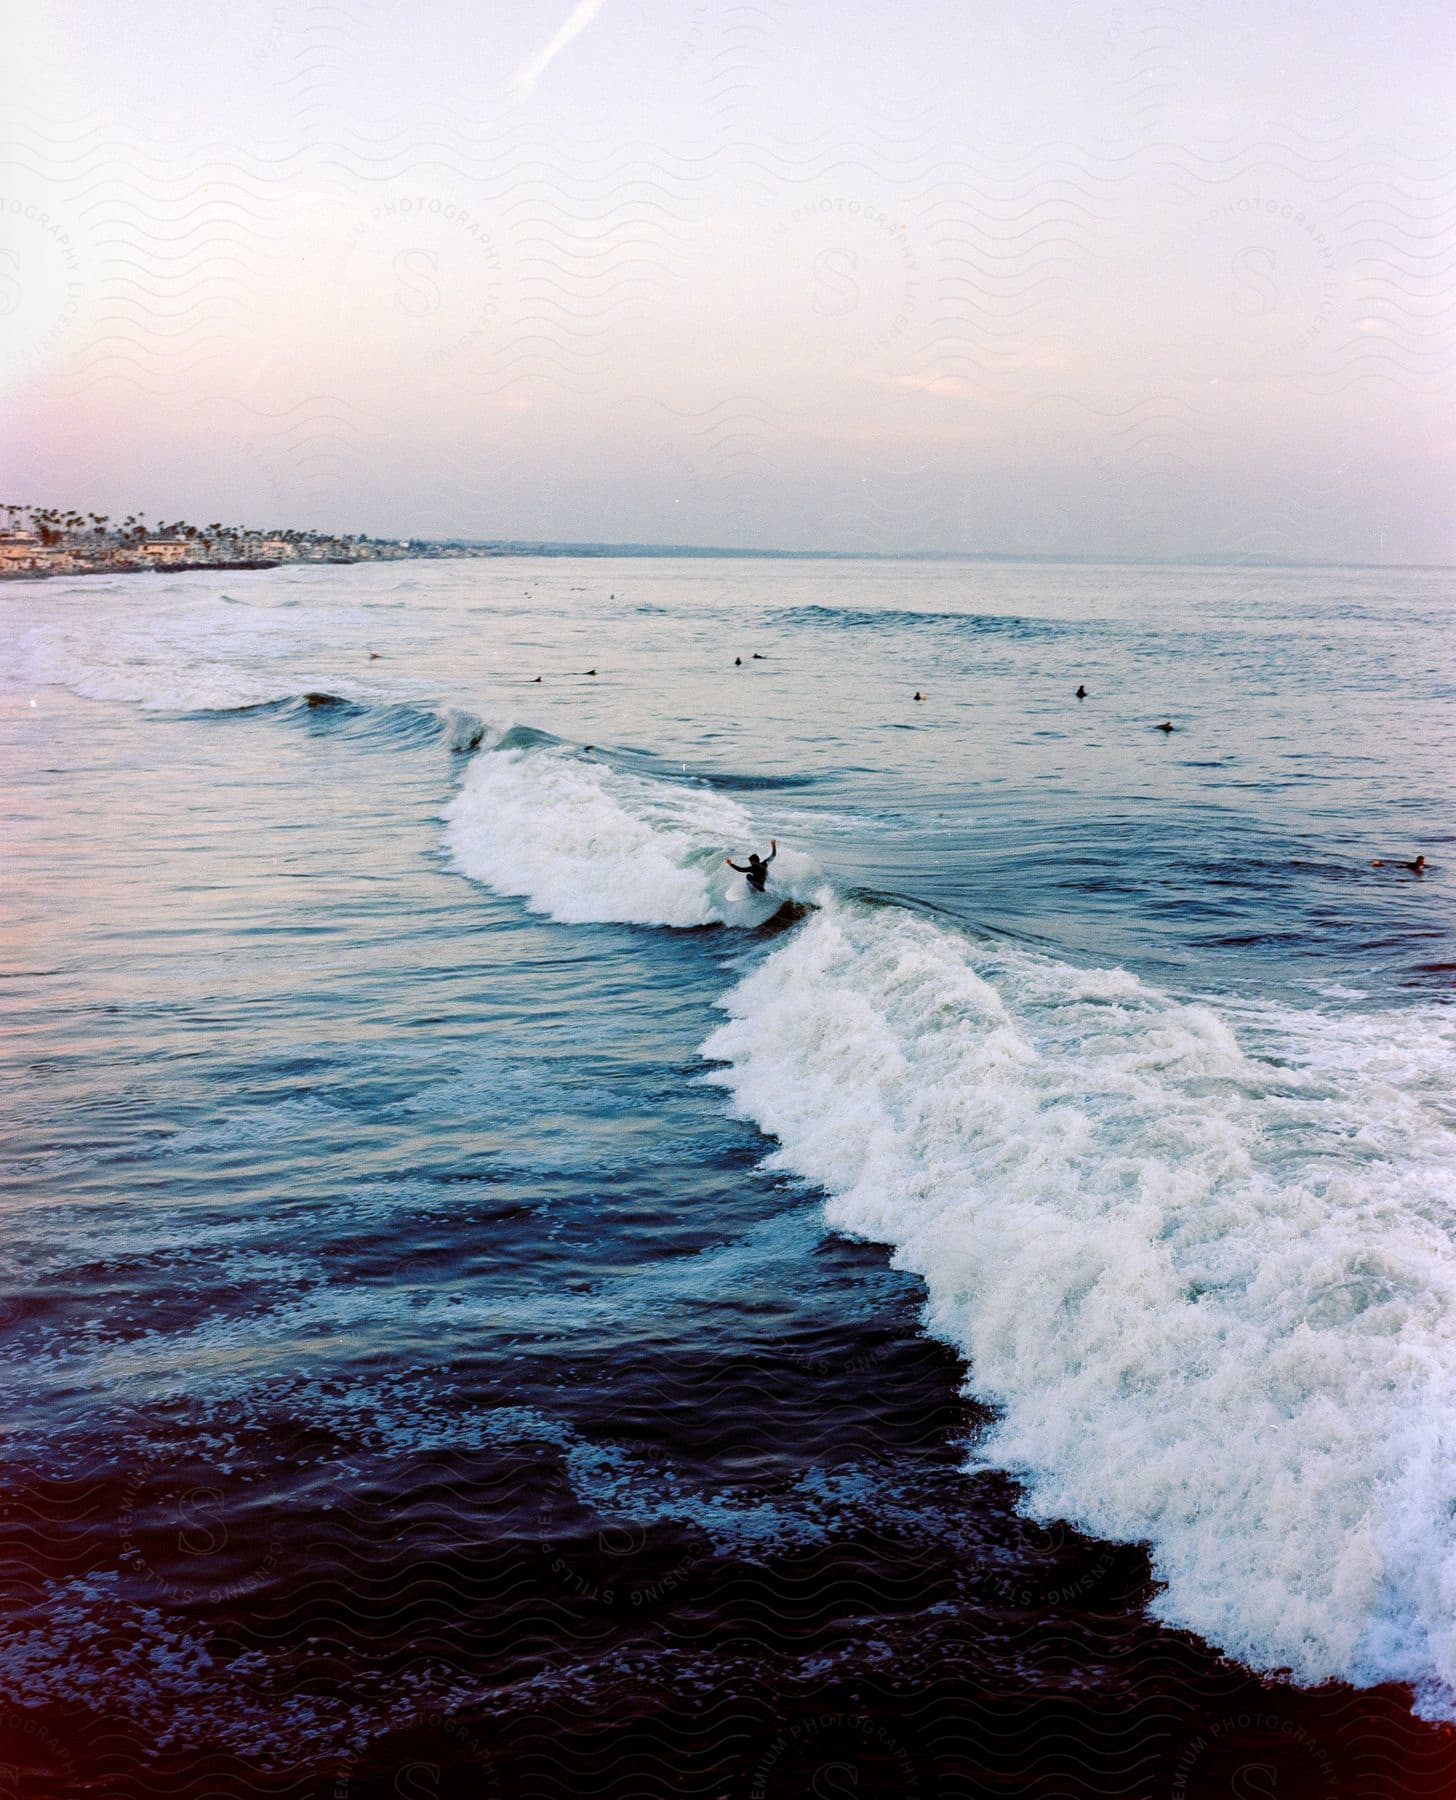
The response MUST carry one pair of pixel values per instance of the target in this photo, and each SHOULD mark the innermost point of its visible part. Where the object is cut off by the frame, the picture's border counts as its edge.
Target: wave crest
(851, 618)
(1210, 1286)
(590, 844)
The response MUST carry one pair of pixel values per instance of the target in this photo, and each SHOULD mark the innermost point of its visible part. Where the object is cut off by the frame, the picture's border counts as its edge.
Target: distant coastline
(1220, 559)
(215, 565)
(40, 543)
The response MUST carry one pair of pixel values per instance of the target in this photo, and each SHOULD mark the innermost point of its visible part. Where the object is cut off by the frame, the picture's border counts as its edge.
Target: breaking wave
(386, 722)
(587, 843)
(1199, 1257)
(1202, 1264)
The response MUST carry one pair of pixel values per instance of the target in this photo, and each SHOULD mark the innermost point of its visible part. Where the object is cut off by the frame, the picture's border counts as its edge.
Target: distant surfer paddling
(756, 868)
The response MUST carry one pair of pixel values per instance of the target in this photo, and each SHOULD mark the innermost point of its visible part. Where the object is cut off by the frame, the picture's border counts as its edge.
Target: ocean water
(491, 1306)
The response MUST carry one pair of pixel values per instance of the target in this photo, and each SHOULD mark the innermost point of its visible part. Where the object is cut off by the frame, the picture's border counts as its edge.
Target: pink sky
(1118, 278)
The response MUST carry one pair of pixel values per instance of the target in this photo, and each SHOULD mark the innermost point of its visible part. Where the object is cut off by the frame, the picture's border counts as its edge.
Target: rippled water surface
(490, 1305)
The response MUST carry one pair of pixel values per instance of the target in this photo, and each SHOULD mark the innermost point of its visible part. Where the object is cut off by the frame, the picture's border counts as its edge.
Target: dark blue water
(491, 1307)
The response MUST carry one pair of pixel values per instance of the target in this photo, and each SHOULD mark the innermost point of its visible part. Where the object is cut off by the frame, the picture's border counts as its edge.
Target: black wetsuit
(756, 871)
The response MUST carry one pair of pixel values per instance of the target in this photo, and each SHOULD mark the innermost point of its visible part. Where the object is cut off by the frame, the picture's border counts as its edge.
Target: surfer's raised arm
(757, 866)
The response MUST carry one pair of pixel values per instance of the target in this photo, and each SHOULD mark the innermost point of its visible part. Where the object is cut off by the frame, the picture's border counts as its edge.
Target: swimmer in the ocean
(1418, 867)
(756, 868)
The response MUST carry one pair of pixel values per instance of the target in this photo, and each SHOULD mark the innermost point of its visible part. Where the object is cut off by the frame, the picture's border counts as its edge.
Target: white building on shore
(22, 551)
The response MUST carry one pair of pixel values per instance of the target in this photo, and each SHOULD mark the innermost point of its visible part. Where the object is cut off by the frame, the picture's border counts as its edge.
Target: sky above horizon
(1121, 279)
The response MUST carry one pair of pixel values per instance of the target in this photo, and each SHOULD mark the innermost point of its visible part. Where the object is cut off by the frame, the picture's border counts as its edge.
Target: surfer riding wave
(756, 868)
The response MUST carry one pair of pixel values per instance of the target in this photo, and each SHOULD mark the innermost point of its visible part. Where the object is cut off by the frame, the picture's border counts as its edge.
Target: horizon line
(1127, 559)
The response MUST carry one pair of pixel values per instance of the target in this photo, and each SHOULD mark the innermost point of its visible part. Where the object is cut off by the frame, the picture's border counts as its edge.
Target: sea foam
(1198, 1255)
(586, 843)
(1209, 1286)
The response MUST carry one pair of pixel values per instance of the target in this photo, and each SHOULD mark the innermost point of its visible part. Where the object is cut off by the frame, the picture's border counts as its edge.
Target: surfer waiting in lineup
(756, 868)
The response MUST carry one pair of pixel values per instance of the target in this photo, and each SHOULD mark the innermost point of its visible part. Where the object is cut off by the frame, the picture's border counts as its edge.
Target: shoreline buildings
(39, 541)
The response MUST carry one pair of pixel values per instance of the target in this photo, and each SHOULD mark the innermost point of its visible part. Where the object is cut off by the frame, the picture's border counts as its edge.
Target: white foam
(589, 844)
(206, 655)
(1202, 1261)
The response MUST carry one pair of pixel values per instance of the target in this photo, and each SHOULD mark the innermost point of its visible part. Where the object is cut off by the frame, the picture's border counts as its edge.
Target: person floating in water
(756, 868)
(1417, 867)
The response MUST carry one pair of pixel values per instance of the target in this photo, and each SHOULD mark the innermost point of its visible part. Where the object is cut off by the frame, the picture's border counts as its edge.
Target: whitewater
(1201, 1258)
(412, 1120)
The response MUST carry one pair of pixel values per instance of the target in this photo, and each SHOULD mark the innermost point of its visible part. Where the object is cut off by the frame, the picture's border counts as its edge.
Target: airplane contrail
(530, 72)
